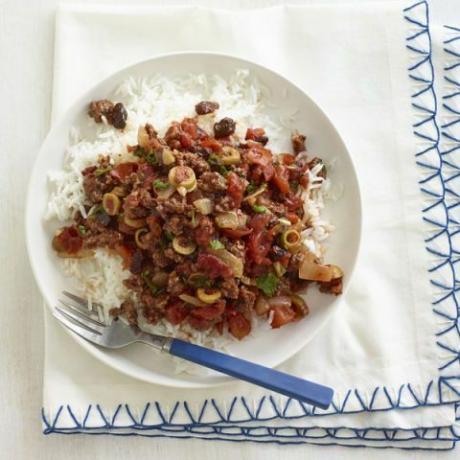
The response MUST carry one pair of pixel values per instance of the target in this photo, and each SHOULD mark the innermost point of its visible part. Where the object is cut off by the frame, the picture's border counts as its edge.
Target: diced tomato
(260, 240)
(282, 315)
(147, 171)
(288, 159)
(281, 179)
(126, 252)
(303, 181)
(212, 144)
(293, 202)
(186, 141)
(236, 232)
(199, 323)
(259, 222)
(153, 223)
(204, 231)
(176, 312)
(68, 240)
(189, 127)
(259, 156)
(235, 189)
(213, 266)
(259, 244)
(123, 170)
(238, 325)
(211, 313)
(292, 217)
(257, 135)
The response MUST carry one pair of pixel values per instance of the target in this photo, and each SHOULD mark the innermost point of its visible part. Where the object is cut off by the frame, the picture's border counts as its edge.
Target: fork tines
(77, 317)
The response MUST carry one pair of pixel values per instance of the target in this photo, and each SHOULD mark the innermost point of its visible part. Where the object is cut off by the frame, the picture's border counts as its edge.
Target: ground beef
(194, 161)
(175, 285)
(224, 203)
(94, 188)
(246, 301)
(128, 310)
(174, 205)
(159, 259)
(134, 283)
(116, 114)
(298, 143)
(237, 248)
(176, 225)
(108, 238)
(212, 182)
(99, 109)
(229, 288)
(151, 315)
(173, 135)
(173, 256)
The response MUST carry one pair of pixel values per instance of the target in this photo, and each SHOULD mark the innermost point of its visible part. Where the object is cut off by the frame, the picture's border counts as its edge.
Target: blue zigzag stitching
(157, 421)
(450, 132)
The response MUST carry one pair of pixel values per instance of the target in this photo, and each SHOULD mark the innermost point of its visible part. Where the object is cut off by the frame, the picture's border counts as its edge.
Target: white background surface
(26, 53)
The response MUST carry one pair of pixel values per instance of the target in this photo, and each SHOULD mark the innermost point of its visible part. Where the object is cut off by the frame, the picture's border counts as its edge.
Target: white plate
(273, 346)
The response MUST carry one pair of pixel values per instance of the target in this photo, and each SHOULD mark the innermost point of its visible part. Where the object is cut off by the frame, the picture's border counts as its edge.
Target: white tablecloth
(26, 56)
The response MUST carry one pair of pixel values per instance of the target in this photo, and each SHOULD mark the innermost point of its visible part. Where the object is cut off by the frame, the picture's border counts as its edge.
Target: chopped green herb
(251, 188)
(139, 152)
(268, 284)
(223, 170)
(199, 281)
(101, 171)
(216, 244)
(213, 160)
(160, 185)
(259, 209)
(193, 217)
(82, 230)
(169, 236)
(148, 281)
(151, 159)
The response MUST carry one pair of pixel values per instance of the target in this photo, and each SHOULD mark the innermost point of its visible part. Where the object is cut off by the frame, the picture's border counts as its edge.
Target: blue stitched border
(382, 398)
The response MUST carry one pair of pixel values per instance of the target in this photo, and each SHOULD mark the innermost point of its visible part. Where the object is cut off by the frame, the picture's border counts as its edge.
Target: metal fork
(74, 313)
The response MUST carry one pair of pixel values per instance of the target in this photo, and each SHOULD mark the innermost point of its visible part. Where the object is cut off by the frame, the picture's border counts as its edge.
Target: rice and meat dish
(212, 229)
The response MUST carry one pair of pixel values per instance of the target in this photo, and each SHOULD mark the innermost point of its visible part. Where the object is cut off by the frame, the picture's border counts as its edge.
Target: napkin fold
(390, 354)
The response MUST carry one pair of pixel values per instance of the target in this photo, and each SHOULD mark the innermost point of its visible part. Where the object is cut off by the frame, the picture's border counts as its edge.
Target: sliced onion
(165, 194)
(312, 271)
(235, 263)
(280, 301)
(192, 300)
(260, 190)
(203, 206)
(227, 220)
(261, 306)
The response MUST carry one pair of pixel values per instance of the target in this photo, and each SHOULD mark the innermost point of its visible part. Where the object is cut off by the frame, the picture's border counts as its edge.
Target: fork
(75, 315)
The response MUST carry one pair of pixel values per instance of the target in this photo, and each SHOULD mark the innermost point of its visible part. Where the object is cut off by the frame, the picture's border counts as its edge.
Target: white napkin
(379, 352)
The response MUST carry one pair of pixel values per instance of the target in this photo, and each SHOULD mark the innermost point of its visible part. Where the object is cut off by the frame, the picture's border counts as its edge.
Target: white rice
(159, 101)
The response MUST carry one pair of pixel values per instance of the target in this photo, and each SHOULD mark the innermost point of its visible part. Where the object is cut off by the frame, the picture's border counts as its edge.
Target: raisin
(224, 128)
(119, 116)
(205, 107)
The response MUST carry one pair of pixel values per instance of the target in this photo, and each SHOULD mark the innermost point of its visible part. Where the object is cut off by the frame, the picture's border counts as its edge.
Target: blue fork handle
(288, 385)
